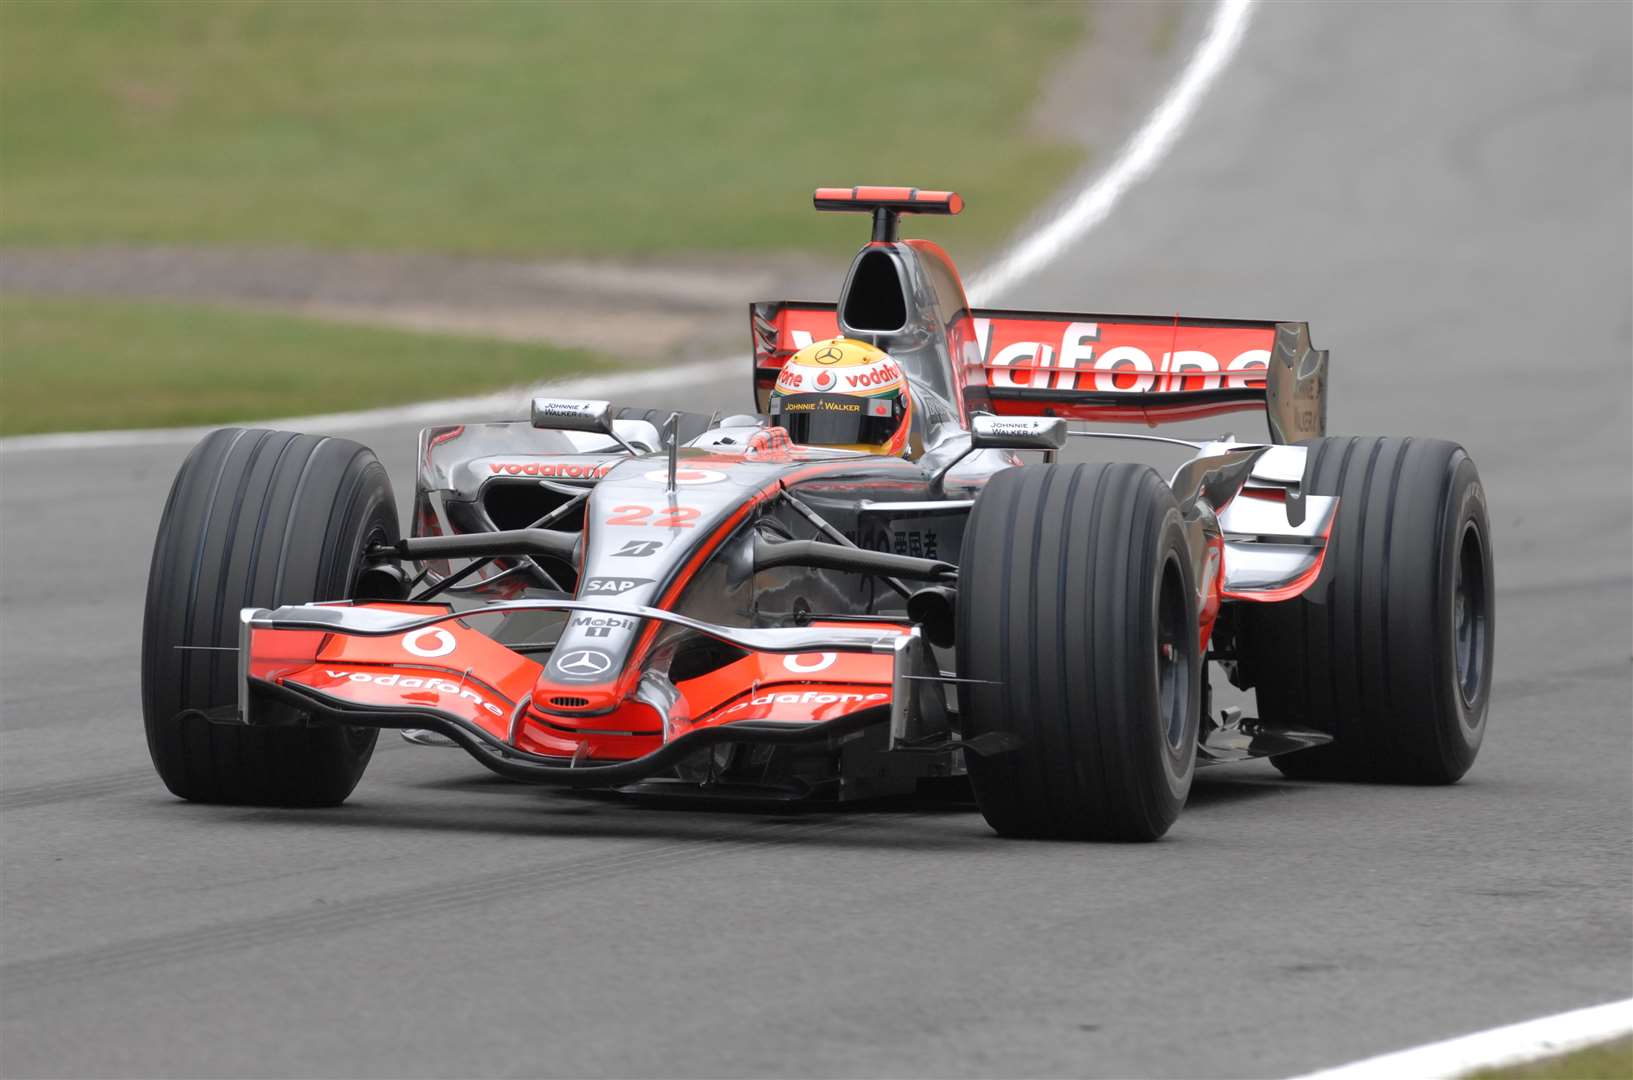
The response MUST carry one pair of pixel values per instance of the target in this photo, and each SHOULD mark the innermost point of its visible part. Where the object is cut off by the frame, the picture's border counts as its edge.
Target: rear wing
(1149, 369)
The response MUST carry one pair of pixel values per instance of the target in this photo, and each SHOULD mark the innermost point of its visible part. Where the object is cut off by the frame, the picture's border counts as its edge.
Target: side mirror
(579, 414)
(987, 432)
(572, 414)
(1017, 433)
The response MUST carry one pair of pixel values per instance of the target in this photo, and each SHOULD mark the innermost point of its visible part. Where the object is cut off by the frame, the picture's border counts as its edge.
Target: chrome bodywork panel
(1266, 553)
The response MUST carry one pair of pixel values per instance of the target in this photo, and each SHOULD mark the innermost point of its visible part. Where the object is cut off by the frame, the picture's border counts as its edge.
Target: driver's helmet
(844, 394)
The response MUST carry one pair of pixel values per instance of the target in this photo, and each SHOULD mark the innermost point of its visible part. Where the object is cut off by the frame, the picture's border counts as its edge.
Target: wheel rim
(1471, 614)
(1174, 643)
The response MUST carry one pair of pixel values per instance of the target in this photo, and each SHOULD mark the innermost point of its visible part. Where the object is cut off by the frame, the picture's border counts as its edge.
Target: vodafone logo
(824, 380)
(558, 470)
(882, 373)
(431, 641)
(687, 477)
(1033, 354)
(817, 662)
(809, 697)
(418, 682)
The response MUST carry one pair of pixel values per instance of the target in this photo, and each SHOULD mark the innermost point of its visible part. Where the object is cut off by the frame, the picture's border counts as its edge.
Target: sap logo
(559, 470)
(417, 682)
(612, 586)
(881, 374)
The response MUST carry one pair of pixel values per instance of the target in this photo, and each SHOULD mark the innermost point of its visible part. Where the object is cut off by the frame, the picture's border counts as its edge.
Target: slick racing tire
(1390, 654)
(688, 426)
(254, 519)
(1077, 628)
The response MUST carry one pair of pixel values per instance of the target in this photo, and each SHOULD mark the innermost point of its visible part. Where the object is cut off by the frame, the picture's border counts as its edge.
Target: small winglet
(887, 204)
(903, 200)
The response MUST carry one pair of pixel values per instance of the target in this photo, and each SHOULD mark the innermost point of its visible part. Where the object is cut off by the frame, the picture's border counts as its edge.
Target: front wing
(424, 666)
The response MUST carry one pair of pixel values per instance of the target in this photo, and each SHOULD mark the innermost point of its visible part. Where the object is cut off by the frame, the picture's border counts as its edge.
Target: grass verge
(1610, 1061)
(76, 365)
(505, 127)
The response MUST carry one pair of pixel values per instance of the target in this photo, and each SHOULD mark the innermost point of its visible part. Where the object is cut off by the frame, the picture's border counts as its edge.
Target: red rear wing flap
(1150, 369)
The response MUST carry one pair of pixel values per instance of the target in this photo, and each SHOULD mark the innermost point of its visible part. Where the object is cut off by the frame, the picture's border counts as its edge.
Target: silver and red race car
(657, 602)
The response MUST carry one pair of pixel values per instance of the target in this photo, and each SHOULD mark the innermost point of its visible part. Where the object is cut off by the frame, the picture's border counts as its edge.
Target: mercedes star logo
(584, 663)
(830, 355)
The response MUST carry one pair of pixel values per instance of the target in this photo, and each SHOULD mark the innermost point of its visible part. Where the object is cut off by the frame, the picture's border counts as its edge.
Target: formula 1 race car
(673, 603)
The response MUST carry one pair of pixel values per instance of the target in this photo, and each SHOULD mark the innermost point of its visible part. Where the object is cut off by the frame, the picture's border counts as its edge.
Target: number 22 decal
(673, 517)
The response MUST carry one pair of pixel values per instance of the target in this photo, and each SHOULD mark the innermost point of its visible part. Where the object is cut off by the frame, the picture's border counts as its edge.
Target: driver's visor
(838, 419)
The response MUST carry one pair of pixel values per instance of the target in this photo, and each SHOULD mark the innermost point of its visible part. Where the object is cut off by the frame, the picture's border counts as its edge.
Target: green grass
(514, 127)
(1611, 1061)
(81, 365)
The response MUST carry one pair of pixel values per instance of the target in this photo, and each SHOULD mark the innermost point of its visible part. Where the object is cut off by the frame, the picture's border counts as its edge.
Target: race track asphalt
(1443, 191)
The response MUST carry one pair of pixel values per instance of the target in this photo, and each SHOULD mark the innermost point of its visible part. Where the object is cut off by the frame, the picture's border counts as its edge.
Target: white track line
(512, 402)
(1137, 159)
(1515, 1044)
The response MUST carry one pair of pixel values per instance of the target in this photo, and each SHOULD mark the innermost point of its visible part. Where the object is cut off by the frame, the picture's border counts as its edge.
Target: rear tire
(254, 519)
(1392, 655)
(1077, 610)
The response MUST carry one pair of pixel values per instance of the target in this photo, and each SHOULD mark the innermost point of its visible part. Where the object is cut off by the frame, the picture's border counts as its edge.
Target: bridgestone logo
(418, 682)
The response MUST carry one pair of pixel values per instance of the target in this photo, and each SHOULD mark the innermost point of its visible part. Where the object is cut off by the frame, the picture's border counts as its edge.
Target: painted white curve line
(1137, 159)
(1515, 1044)
(512, 402)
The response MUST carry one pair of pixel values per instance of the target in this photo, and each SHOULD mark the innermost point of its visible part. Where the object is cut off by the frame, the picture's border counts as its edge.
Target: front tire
(1392, 656)
(1077, 619)
(254, 519)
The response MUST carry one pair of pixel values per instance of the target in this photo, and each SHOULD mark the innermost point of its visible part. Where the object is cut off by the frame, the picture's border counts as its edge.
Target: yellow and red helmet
(844, 394)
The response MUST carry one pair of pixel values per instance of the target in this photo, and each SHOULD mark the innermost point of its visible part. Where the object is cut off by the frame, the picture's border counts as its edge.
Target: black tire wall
(1370, 656)
(1060, 584)
(254, 519)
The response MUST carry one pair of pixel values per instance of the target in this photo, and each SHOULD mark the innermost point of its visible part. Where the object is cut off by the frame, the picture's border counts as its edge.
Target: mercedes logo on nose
(830, 355)
(584, 663)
